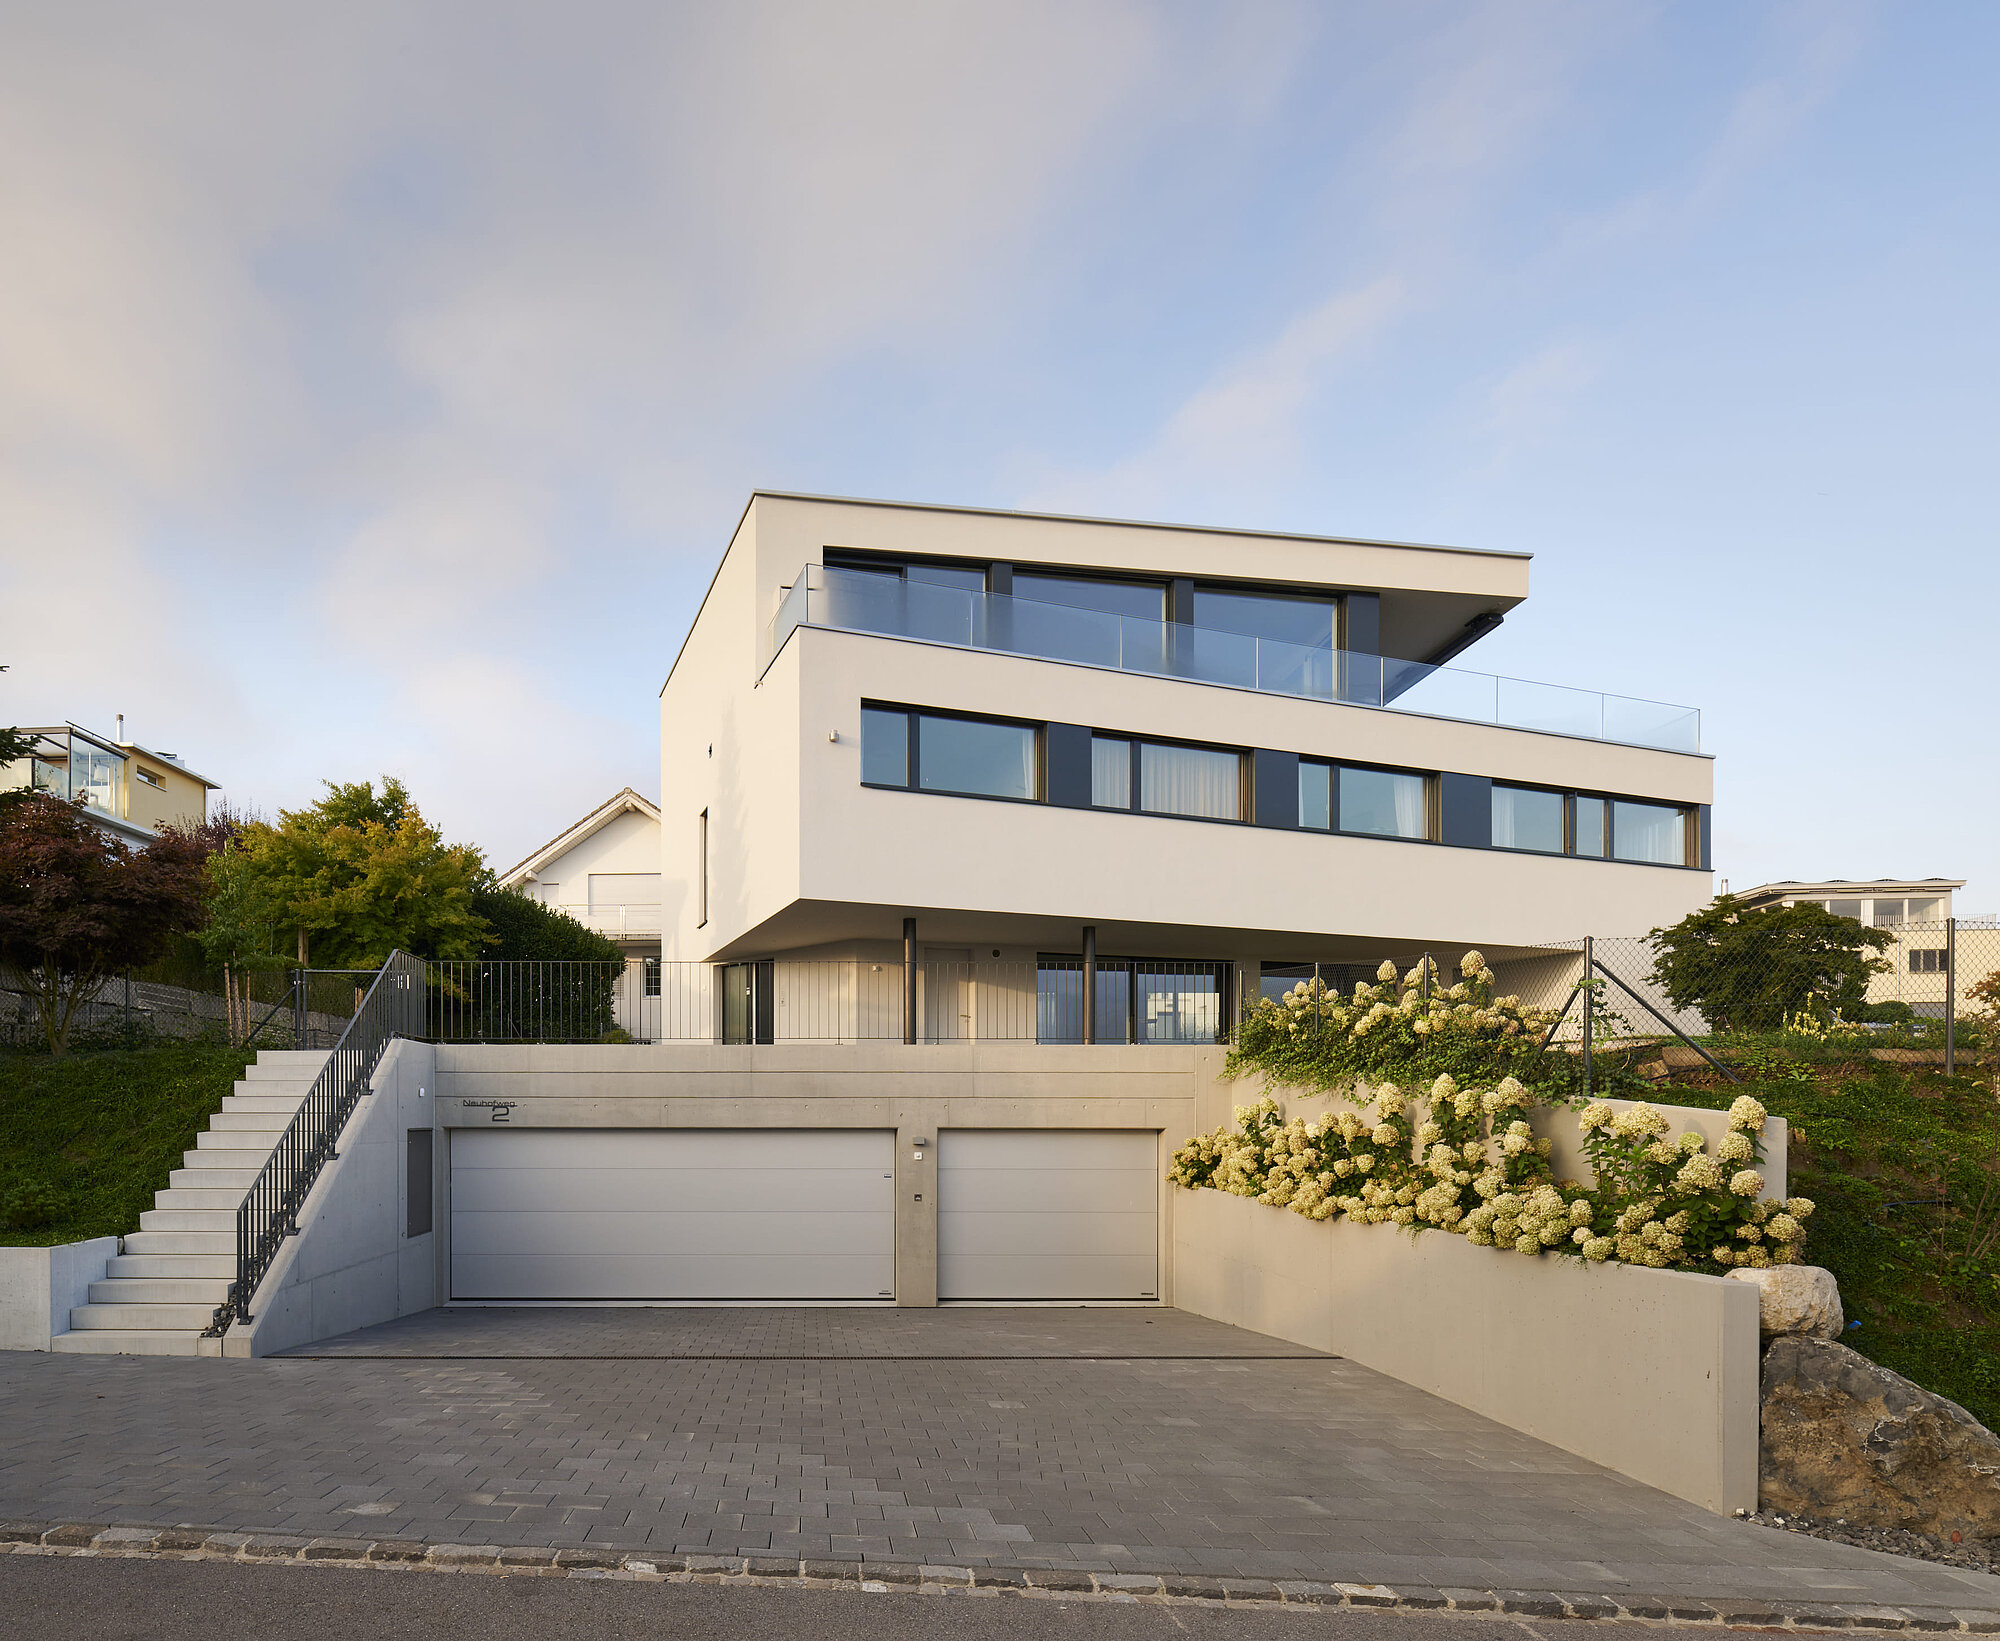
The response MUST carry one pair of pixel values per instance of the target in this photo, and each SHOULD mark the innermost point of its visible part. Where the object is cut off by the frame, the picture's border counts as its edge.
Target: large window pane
(948, 575)
(1315, 796)
(1387, 804)
(1887, 914)
(1524, 819)
(1111, 773)
(1306, 621)
(885, 747)
(1189, 780)
(1652, 832)
(1927, 910)
(1118, 597)
(1590, 827)
(1178, 1002)
(987, 760)
(1845, 908)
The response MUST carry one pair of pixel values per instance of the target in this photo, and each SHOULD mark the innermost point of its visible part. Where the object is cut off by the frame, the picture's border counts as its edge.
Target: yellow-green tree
(361, 874)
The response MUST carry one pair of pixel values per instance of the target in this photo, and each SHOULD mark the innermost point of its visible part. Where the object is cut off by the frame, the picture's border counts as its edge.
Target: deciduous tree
(1745, 969)
(77, 906)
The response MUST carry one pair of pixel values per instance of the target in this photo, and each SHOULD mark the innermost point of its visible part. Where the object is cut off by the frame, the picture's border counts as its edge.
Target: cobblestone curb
(881, 1577)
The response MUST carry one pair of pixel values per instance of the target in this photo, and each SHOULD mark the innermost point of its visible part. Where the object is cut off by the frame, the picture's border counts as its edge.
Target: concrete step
(189, 1219)
(127, 1342)
(179, 1198)
(219, 1179)
(145, 1318)
(273, 1123)
(150, 1291)
(221, 1265)
(287, 1103)
(286, 1065)
(222, 1242)
(225, 1159)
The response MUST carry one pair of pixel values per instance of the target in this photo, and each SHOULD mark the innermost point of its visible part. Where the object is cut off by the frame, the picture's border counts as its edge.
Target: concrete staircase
(159, 1294)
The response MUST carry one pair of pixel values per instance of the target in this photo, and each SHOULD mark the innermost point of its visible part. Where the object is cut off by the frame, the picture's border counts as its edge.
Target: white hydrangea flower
(1749, 1183)
(1735, 1146)
(1746, 1113)
(1639, 1122)
(1386, 973)
(1472, 963)
(1598, 1249)
(1698, 1173)
(1799, 1207)
(1693, 1141)
(1597, 1114)
(1444, 1087)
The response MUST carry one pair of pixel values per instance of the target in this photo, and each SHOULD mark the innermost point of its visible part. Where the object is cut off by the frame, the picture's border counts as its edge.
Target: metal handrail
(269, 1212)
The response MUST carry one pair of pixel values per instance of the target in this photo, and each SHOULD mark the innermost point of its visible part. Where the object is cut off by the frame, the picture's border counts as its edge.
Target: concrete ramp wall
(1649, 1373)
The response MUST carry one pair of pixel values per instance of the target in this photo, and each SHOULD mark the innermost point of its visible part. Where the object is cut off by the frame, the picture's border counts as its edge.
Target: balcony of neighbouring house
(860, 601)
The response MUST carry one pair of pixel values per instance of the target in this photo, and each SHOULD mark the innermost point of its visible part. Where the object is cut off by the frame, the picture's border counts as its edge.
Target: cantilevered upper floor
(1024, 723)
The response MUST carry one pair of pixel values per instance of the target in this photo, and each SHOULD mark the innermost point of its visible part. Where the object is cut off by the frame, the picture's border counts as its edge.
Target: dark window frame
(913, 759)
(1134, 743)
(1334, 829)
(1567, 798)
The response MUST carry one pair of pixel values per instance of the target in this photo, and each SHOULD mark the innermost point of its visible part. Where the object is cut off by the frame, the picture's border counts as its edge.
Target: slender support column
(1950, 995)
(1090, 983)
(909, 979)
(1589, 997)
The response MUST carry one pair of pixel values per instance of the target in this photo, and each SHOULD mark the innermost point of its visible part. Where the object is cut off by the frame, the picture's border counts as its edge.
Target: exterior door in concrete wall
(673, 1213)
(1048, 1214)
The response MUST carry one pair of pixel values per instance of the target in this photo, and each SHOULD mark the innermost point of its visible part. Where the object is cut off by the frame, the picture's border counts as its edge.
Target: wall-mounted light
(833, 735)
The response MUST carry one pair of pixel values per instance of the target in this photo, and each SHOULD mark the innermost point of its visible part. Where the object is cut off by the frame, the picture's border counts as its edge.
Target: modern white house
(978, 830)
(1194, 760)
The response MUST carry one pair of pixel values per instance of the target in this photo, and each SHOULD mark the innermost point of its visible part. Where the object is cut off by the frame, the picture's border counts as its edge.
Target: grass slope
(1905, 1168)
(86, 1139)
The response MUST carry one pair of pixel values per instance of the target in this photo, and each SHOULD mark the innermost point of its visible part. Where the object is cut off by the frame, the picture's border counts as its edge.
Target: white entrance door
(1048, 1214)
(673, 1213)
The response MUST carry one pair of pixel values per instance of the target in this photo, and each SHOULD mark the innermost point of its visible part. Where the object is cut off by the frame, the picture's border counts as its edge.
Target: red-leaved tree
(78, 906)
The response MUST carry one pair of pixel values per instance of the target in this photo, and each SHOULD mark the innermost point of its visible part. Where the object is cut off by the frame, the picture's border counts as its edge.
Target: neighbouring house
(131, 791)
(1918, 912)
(604, 871)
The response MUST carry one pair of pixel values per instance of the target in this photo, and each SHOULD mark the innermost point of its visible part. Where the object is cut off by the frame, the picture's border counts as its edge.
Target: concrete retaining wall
(38, 1287)
(1650, 1373)
(351, 1265)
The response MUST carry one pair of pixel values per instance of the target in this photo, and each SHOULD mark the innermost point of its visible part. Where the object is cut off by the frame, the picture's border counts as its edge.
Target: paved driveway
(1123, 1441)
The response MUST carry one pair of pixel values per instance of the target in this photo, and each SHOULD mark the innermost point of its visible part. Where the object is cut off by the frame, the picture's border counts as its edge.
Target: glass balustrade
(863, 601)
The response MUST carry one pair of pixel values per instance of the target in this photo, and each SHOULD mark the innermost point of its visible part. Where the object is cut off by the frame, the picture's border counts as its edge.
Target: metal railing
(635, 918)
(482, 1001)
(857, 601)
(392, 1007)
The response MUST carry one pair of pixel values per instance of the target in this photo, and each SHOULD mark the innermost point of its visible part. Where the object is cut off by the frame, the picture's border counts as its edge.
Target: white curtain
(1188, 780)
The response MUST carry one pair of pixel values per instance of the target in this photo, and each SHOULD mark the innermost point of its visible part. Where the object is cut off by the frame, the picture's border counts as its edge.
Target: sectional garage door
(673, 1213)
(1048, 1214)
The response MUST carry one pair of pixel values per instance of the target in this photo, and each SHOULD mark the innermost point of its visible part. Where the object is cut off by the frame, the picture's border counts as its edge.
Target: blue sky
(378, 389)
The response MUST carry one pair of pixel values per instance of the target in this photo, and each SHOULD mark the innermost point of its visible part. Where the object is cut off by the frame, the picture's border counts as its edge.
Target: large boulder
(1796, 1299)
(1844, 1439)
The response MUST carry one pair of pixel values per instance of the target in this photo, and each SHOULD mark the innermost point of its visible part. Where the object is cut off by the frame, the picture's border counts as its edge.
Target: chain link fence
(1931, 996)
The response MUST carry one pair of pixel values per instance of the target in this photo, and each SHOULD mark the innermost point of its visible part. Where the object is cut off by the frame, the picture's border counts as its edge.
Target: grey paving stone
(73, 1535)
(1133, 1444)
(464, 1555)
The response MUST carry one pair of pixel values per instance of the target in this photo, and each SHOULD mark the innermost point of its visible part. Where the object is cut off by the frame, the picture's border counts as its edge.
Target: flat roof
(1133, 524)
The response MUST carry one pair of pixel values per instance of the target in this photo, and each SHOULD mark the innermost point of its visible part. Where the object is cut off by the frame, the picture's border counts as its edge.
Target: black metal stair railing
(393, 1007)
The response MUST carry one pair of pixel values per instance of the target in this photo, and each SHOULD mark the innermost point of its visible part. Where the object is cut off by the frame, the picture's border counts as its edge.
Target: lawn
(87, 1138)
(1905, 1167)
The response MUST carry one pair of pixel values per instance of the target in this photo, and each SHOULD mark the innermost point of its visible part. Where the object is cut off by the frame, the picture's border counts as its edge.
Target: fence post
(1950, 995)
(1090, 982)
(299, 1008)
(1589, 974)
(909, 979)
(128, 1011)
(1424, 979)
(1316, 997)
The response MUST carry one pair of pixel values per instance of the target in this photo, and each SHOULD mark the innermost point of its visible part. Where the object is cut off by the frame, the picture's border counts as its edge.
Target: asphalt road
(48, 1598)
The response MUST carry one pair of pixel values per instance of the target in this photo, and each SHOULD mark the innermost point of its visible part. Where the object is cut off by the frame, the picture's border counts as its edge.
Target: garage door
(1043, 1214)
(675, 1213)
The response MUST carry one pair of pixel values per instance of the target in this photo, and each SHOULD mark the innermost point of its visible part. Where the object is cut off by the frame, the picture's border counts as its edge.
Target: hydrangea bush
(1473, 1166)
(1314, 1037)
